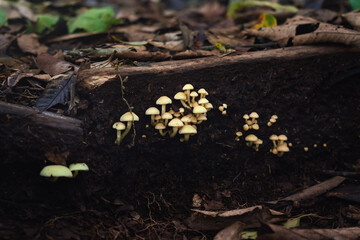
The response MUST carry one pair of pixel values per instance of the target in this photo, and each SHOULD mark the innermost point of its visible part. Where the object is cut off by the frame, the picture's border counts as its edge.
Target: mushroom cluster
(184, 121)
(272, 120)
(251, 121)
(253, 141)
(223, 108)
(53, 172)
(129, 118)
(280, 146)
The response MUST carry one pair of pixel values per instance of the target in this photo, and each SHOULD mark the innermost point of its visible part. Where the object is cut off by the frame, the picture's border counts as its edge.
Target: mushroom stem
(280, 154)
(118, 137)
(184, 104)
(187, 93)
(152, 120)
(186, 137)
(274, 142)
(162, 133)
(173, 132)
(127, 130)
(53, 179)
(163, 109)
(76, 172)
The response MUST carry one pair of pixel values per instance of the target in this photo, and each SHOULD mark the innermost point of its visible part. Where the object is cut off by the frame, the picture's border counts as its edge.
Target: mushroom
(193, 95)
(209, 106)
(274, 117)
(253, 117)
(175, 124)
(246, 117)
(281, 149)
(203, 93)
(76, 167)
(274, 138)
(152, 111)
(199, 110)
(201, 118)
(186, 120)
(257, 143)
(128, 117)
(119, 126)
(187, 130)
(221, 108)
(166, 116)
(203, 101)
(160, 127)
(163, 101)
(246, 127)
(238, 135)
(187, 89)
(224, 112)
(255, 126)
(55, 171)
(250, 139)
(182, 97)
(282, 139)
(271, 121)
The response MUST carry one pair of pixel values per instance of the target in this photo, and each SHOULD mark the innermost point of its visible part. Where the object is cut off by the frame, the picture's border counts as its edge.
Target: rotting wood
(93, 78)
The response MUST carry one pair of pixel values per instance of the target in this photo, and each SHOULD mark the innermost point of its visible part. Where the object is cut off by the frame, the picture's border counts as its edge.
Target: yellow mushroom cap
(239, 134)
(272, 120)
(199, 109)
(180, 96)
(254, 115)
(157, 117)
(129, 117)
(209, 106)
(186, 119)
(202, 118)
(159, 126)
(188, 87)
(251, 138)
(246, 117)
(176, 123)
(163, 100)
(274, 137)
(167, 115)
(282, 137)
(187, 129)
(258, 141)
(152, 111)
(203, 91)
(78, 167)
(283, 148)
(203, 101)
(225, 105)
(119, 126)
(194, 94)
(221, 108)
(255, 126)
(181, 110)
(56, 171)
(274, 117)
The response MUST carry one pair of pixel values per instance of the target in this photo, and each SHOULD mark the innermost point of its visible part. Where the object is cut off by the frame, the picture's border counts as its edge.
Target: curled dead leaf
(29, 43)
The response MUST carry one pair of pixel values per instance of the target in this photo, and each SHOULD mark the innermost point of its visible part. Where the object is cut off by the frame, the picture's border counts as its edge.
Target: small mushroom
(246, 117)
(166, 116)
(187, 89)
(186, 120)
(152, 111)
(55, 171)
(119, 126)
(274, 138)
(253, 117)
(238, 135)
(282, 139)
(187, 130)
(182, 97)
(160, 127)
(199, 110)
(203, 101)
(274, 117)
(175, 124)
(193, 95)
(201, 118)
(246, 127)
(76, 167)
(128, 117)
(163, 101)
(221, 108)
(282, 148)
(203, 93)
(255, 126)
(271, 121)
(209, 106)
(250, 139)
(257, 143)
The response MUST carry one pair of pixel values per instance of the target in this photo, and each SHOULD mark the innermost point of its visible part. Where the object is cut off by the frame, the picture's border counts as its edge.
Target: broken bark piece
(314, 191)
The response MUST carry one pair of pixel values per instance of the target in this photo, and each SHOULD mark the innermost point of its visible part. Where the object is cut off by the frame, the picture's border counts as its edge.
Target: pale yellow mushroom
(163, 101)
(160, 127)
(152, 111)
(175, 124)
(187, 89)
(76, 167)
(202, 92)
(253, 117)
(209, 106)
(257, 143)
(274, 138)
(282, 148)
(182, 97)
(128, 117)
(187, 130)
(53, 172)
(119, 126)
(282, 139)
(250, 139)
(166, 116)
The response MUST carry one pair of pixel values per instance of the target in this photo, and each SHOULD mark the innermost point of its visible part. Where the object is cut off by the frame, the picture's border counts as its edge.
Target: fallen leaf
(57, 91)
(353, 18)
(177, 46)
(52, 65)
(303, 31)
(24, 11)
(5, 41)
(350, 193)
(265, 20)
(57, 158)
(295, 222)
(28, 43)
(231, 232)
(15, 77)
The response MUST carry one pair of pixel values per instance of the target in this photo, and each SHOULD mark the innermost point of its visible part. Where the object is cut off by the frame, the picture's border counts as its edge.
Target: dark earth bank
(145, 190)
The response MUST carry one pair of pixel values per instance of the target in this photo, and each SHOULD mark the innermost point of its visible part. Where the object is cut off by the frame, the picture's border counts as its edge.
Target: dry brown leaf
(303, 31)
(52, 65)
(177, 46)
(57, 158)
(211, 220)
(353, 18)
(279, 233)
(28, 43)
(231, 40)
(14, 78)
(231, 232)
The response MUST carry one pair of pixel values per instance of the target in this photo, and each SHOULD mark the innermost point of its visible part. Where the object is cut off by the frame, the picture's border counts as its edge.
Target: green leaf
(94, 20)
(266, 20)
(3, 18)
(355, 4)
(44, 22)
(220, 46)
(237, 5)
(295, 222)
(249, 235)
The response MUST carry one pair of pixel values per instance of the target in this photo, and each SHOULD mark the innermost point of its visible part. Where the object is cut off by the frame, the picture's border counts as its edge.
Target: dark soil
(145, 190)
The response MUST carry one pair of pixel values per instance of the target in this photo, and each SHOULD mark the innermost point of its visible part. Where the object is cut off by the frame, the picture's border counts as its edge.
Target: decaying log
(30, 130)
(93, 78)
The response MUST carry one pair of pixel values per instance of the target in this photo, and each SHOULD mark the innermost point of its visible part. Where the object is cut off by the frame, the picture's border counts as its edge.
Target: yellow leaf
(266, 20)
(220, 46)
